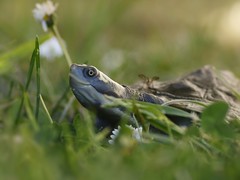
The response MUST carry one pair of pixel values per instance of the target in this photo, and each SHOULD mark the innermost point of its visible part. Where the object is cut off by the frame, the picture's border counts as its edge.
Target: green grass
(46, 134)
(34, 147)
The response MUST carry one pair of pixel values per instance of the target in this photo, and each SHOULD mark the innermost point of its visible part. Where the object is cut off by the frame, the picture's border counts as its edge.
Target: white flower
(114, 135)
(51, 49)
(136, 134)
(43, 13)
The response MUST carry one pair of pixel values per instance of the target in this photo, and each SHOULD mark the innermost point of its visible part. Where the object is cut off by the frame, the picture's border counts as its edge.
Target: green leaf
(213, 120)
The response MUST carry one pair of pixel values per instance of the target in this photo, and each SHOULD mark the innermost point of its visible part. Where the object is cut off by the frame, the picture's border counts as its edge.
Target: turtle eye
(91, 72)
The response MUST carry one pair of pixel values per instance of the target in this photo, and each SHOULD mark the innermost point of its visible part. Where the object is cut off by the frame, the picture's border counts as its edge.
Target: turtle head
(89, 85)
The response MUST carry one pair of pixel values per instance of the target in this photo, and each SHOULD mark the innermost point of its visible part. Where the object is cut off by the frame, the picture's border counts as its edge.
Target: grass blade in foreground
(29, 111)
(29, 77)
(37, 59)
(153, 114)
(46, 110)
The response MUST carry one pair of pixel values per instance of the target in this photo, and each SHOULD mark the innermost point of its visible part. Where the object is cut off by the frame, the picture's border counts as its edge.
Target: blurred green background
(123, 38)
(150, 37)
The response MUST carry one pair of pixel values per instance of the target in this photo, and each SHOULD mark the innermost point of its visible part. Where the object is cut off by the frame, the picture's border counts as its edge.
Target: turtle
(92, 88)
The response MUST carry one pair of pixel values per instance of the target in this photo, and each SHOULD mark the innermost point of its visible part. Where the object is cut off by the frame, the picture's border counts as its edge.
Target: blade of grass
(30, 113)
(139, 116)
(197, 143)
(29, 77)
(168, 110)
(16, 122)
(163, 139)
(158, 119)
(154, 114)
(37, 59)
(185, 100)
(30, 70)
(46, 110)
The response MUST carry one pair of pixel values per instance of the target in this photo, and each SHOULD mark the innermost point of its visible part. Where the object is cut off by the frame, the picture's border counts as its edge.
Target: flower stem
(64, 48)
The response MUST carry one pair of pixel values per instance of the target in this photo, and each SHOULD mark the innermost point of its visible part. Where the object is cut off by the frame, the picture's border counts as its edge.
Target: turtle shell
(205, 85)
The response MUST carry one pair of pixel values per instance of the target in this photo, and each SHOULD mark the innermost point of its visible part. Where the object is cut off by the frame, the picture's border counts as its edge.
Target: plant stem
(64, 48)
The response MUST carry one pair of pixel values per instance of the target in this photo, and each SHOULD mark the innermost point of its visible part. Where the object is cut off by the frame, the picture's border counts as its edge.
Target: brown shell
(205, 85)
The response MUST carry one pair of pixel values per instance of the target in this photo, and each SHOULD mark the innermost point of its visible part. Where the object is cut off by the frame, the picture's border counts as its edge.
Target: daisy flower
(114, 135)
(44, 13)
(136, 134)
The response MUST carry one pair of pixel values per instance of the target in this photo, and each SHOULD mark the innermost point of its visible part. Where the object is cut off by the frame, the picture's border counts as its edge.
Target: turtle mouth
(76, 80)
